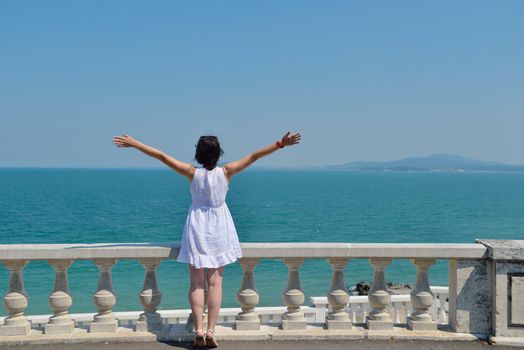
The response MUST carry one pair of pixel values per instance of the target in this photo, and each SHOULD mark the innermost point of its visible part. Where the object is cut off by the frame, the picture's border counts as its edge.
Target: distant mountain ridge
(434, 162)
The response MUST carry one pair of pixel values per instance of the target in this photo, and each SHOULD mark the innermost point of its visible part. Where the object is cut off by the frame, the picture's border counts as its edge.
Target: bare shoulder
(191, 172)
(227, 171)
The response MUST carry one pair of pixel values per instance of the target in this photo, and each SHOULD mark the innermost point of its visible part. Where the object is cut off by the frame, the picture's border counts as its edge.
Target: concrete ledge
(501, 249)
(365, 250)
(88, 251)
(170, 250)
(227, 332)
(319, 332)
(334, 344)
(122, 335)
(507, 341)
(374, 325)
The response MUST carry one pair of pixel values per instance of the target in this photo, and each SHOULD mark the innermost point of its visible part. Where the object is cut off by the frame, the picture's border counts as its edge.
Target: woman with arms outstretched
(210, 240)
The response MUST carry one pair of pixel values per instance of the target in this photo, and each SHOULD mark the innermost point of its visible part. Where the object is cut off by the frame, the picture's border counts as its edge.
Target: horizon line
(302, 166)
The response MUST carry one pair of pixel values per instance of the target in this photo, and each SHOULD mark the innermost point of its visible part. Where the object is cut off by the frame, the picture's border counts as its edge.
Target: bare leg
(214, 282)
(196, 298)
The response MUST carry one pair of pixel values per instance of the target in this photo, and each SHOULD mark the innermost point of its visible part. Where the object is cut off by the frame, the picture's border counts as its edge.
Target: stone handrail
(79, 251)
(486, 278)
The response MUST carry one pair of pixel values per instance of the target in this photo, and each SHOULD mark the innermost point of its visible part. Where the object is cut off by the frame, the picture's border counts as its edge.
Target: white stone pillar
(442, 317)
(470, 296)
(104, 299)
(15, 301)
(293, 318)
(421, 298)
(353, 313)
(60, 300)
(379, 298)
(396, 307)
(338, 296)
(248, 297)
(150, 297)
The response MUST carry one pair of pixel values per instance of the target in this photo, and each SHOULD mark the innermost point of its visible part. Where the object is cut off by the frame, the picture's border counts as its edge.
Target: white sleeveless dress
(210, 238)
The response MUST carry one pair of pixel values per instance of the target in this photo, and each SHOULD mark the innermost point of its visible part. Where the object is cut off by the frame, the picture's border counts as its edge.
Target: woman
(210, 240)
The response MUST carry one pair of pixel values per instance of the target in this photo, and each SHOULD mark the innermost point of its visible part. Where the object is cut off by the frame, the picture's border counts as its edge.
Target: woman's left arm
(185, 169)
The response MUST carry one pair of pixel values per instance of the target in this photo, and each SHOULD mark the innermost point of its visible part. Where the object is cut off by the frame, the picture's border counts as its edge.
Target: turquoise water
(88, 206)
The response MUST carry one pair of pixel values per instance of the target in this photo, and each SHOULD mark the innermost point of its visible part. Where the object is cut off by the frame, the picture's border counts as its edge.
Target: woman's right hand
(124, 141)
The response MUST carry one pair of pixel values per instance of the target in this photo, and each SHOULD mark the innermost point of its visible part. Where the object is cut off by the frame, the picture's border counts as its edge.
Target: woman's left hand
(289, 139)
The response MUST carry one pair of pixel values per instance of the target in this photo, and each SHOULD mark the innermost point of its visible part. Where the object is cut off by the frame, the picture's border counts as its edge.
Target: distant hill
(434, 162)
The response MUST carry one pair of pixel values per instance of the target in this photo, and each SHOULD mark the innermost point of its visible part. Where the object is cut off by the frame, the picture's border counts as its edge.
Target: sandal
(199, 342)
(210, 339)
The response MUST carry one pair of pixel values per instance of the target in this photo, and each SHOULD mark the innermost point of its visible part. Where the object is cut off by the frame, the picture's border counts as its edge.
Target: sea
(150, 205)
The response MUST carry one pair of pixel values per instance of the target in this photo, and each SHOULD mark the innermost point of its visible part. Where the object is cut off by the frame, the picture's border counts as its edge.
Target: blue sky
(366, 80)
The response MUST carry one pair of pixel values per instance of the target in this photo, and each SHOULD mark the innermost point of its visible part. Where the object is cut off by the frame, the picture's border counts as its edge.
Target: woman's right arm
(185, 169)
(234, 168)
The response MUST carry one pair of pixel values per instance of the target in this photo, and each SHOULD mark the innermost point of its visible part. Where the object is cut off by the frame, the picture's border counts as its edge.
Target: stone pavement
(279, 345)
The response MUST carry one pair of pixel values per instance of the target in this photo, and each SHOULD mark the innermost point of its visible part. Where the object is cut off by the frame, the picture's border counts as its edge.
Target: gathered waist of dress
(205, 205)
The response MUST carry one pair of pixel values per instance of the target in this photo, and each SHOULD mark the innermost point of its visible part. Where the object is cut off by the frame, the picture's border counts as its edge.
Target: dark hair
(208, 151)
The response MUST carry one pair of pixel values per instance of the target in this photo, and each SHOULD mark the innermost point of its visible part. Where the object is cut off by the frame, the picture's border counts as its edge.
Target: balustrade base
(290, 325)
(317, 332)
(60, 328)
(247, 325)
(190, 325)
(375, 325)
(109, 327)
(145, 326)
(507, 341)
(15, 330)
(37, 337)
(267, 333)
(149, 323)
(421, 325)
(339, 325)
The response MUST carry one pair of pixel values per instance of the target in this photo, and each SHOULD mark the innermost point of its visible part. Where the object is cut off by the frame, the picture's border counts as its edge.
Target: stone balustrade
(485, 290)
(400, 307)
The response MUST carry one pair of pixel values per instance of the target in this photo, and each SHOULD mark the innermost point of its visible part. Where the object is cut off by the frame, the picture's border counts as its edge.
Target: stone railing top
(504, 249)
(249, 250)
(365, 250)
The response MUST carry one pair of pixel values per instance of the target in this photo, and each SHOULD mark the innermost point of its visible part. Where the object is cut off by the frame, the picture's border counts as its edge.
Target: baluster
(397, 312)
(442, 309)
(379, 298)
(15, 301)
(364, 311)
(421, 298)
(407, 311)
(104, 299)
(150, 297)
(320, 312)
(248, 297)
(338, 296)
(60, 300)
(353, 313)
(293, 297)
(433, 309)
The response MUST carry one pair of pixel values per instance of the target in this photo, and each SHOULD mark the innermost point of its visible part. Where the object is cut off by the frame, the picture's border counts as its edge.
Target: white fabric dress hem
(200, 261)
